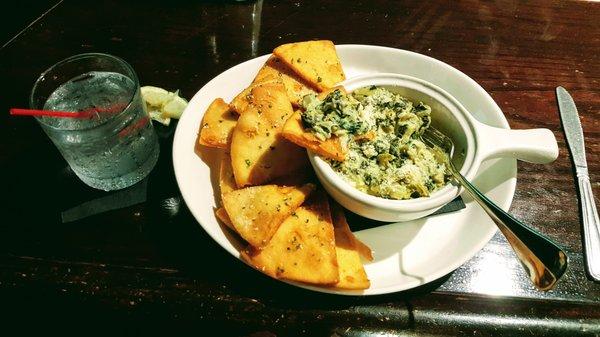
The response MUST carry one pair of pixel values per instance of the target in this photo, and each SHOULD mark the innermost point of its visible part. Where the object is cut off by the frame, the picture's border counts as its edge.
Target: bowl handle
(531, 145)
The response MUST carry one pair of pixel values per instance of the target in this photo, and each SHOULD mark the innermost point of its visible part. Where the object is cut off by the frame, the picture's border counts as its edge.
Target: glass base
(126, 180)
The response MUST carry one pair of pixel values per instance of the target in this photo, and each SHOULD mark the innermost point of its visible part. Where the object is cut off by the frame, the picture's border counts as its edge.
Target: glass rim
(80, 56)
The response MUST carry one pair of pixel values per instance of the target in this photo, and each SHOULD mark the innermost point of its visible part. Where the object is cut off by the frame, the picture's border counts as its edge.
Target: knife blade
(572, 126)
(591, 225)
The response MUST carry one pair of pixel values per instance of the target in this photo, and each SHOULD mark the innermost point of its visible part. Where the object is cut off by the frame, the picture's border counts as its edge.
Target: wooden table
(150, 268)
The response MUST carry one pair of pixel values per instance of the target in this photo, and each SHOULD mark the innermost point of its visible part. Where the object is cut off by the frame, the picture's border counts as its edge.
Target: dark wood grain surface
(151, 269)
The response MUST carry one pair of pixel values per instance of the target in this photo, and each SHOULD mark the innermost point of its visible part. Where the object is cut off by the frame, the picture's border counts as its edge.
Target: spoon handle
(542, 259)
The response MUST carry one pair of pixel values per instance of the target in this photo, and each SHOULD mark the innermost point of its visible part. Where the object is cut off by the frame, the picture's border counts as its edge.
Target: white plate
(407, 254)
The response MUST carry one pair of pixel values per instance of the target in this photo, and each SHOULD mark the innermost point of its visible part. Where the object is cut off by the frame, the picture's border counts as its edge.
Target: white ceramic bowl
(474, 142)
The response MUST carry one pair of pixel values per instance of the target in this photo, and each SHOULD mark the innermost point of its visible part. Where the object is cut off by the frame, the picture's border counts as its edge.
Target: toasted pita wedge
(340, 218)
(315, 61)
(256, 212)
(352, 272)
(259, 153)
(331, 148)
(303, 247)
(244, 98)
(364, 250)
(328, 91)
(222, 215)
(217, 125)
(294, 131)
(226, 178)
(295, 87)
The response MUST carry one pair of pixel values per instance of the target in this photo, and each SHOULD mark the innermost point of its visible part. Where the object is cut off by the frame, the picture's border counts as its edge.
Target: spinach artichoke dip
(381, 131)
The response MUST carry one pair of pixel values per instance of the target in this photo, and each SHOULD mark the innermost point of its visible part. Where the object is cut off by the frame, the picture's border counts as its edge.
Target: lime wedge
(162, 105)
(155, 96)
(174, 108)
(158, 116)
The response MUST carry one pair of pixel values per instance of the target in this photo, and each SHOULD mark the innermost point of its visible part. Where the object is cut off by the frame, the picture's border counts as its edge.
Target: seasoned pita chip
(256, 212)
(294, 131)
(352, 272)
(303, 248)
(364, 250)
(331, 148)
(295, 87)
(217, 125)
(226, 178)
(259, 153)
(244, 98)
(322, 95)
(315, 61)
(222, 215)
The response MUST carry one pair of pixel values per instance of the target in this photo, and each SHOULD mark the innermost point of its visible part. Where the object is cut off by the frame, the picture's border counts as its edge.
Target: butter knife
(591, 225)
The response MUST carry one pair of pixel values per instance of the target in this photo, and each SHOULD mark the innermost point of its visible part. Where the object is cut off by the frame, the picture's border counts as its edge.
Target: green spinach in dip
(381, 131)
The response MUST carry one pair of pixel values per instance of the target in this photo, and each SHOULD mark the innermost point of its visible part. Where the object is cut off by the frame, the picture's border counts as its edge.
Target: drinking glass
(114, 145)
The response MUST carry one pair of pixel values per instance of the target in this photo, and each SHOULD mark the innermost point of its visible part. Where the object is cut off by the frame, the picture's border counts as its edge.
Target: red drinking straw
(82, 114)
(50, 113)
(71, 114)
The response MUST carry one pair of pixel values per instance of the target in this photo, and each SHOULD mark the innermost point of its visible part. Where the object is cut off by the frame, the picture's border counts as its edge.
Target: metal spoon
(543, 260)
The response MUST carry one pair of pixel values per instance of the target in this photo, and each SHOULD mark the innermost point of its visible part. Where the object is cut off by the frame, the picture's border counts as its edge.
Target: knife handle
(591, 225)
